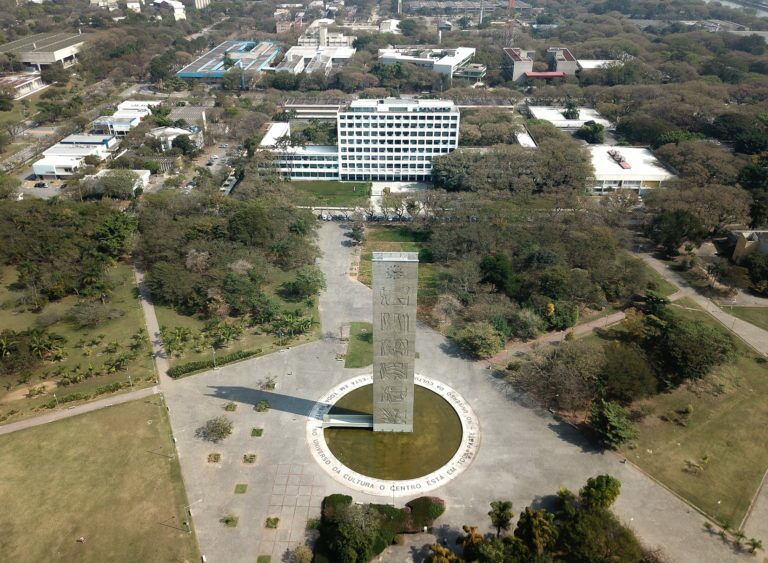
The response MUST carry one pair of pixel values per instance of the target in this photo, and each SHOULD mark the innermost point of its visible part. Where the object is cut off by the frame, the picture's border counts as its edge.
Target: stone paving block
(278, 489)
(281, 479)
(292, 490)
(303, 500)
(290, 500)
(297, 469)
(276, 499)
(307, 479)
(294, 479)
(283, 469)
(305, 490)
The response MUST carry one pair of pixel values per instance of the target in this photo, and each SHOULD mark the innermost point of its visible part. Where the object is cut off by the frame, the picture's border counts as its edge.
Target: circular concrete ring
(461, 460)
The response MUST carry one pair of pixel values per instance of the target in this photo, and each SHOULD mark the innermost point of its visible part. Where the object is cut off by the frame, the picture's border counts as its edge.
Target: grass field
(77, 349)
(110, 476)
(758, 316)
(386, 238)
(725, 433)
(360, 348)
(253, 338)
(663, 287)
(334, 194)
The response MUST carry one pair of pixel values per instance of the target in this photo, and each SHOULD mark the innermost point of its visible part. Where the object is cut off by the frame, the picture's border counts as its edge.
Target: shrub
(300, 554)
(241, 488)
(230, 520)
(479, 339)
(262, 406)
(230, 406)
(425, 510)
(200, 365)
(272, 522)
(257, 432)
(216, 429)
(249, 458)
(214, 458)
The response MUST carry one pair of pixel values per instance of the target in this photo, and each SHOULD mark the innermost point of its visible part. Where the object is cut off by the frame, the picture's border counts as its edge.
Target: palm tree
(7, 345)
(754, 545)
(501, 515)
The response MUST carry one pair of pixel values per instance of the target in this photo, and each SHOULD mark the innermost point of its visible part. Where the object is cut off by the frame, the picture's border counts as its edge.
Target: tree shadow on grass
(277, 401)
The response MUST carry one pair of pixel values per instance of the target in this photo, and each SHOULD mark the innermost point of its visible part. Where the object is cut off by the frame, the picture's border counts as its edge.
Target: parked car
(41, 185)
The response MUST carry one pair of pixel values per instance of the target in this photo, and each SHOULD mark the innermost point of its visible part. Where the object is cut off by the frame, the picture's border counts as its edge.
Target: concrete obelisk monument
(395, 279)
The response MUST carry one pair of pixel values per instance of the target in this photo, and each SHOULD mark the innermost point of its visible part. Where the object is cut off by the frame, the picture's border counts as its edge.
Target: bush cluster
(199, 365)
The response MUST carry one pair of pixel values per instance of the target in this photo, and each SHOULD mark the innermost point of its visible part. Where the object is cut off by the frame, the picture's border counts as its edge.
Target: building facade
(394, 139)
(378, 140)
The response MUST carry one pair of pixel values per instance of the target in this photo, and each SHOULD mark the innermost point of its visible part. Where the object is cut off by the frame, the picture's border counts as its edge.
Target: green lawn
(80, 349)
(253, 338)
(386, 238)
(360, 348)
(758, 316)
(110, 476)
(663, 287)
(334, 194)
(726, 428)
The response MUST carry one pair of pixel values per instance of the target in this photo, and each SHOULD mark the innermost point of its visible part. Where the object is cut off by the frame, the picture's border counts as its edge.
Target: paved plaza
(525, 454)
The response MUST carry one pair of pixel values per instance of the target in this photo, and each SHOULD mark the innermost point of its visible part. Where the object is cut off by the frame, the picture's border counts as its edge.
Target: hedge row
(199, 365)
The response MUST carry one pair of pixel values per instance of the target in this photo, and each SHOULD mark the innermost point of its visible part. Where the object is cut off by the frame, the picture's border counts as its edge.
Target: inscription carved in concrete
(395, 278)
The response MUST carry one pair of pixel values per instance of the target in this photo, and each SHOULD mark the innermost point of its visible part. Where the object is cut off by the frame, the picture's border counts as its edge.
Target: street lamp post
(56, 399)
(130, 381)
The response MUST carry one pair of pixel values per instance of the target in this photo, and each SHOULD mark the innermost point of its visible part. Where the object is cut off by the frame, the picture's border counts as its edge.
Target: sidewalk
(67, 412)
(552, 337)
(153, 327)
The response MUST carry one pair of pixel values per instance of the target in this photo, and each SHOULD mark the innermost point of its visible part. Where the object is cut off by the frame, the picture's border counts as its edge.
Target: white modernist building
(128, 115)
(633, 168)
(166, 136)
(142, 177)
(318, 35)
(22, 84)
(314, 59)
(443, 61)
(395, 139)
(378, 140)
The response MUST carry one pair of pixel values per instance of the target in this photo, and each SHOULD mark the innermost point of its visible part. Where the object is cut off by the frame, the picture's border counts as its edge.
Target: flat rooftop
(516, 54)
(247, 55)
(640, 164)
(86, 139)
(43, 43)
(16, 80)
(397, 105)
(442, 56)
(555, 116)
(279, 130)
(312, 52)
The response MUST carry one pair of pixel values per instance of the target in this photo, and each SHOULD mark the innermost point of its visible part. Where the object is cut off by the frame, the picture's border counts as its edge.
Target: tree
(536, 530)
(670, 229)
(215, 429)
(480, 339)
(8, 185)
(185, 145)
(301, 554)
(571, 111)
(626, 374)
(690, 349)
(309, 280)
(501, 515)
(119, 184)
(600, 491)
(441, 554)
(612, 423)
(591, 132)
(470, 542)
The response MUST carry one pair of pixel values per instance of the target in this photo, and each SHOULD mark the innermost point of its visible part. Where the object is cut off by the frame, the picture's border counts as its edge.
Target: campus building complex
(41, 50)
(442, 61)
(246, 56)
(378, 140)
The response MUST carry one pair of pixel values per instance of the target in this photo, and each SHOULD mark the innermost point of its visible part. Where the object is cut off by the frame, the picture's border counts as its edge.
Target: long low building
(378, 140)
(248, 56)
(22, 84)
(41, 50)
(634, 168)
(314, 59)
(129, 114)
(442, 61)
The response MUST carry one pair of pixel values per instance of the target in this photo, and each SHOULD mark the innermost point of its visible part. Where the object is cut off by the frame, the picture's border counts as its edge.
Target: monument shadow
(277, 401)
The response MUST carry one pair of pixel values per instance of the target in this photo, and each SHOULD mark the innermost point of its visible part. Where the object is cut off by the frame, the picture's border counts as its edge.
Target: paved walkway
(525, 454)
(66, 412)
(754, 336)
(518, 348)
(153, 328)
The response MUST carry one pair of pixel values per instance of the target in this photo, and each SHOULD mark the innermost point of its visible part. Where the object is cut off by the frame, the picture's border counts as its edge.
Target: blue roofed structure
(245, 55)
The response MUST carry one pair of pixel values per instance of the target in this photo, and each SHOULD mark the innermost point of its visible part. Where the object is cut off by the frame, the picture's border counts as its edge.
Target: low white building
(56, 166)
(634, 168)
(22, 84)
(179, 10)
(314, 59)
(555, 116)
(129, 114)
(108, 142)
(389, 26)
(442, 61)
(301, 163)
(166, 136)
(318, 35)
